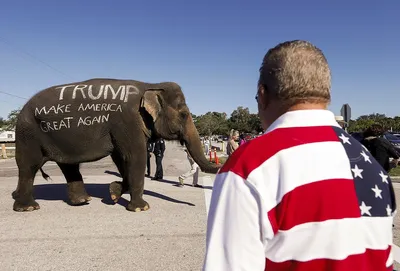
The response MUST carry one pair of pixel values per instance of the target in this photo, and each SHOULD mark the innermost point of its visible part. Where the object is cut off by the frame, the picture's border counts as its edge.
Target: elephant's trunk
(193, 144)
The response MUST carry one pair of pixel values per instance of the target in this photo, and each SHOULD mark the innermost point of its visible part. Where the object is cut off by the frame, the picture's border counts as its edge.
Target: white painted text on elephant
(100, 107)
(55, 109)
(67, 122)
(47, 126)
(88, 121)
(95, 92)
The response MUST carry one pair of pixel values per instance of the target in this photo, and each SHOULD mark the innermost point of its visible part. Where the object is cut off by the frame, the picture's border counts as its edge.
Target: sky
(213, 49)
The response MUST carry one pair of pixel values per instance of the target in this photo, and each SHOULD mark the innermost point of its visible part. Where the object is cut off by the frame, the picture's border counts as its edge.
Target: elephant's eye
(183, 114)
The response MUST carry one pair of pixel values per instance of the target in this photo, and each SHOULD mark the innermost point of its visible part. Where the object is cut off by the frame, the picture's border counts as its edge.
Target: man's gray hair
(295, 72)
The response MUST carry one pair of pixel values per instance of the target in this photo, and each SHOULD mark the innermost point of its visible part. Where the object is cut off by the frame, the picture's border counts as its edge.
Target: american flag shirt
(304, 196)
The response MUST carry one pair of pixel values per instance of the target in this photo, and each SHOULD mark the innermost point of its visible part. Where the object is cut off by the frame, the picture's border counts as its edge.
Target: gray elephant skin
(89, 120)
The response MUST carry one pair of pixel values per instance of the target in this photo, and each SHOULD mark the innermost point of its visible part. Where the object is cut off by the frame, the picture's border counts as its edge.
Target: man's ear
(263, 97)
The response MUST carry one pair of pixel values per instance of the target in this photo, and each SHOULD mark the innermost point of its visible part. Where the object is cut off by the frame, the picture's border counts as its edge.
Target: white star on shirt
(357, 171)
(365, 209)
(366, 157)
(345, 139)
(377, 192)
(384, 177)
(388, 210)
(365, 148)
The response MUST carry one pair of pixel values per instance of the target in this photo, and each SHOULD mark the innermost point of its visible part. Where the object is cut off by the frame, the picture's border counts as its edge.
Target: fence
(7, 150)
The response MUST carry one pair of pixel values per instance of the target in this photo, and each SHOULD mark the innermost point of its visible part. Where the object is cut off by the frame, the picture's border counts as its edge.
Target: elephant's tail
(45, 176)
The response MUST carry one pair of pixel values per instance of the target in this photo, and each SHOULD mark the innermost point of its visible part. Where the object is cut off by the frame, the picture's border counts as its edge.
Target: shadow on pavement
(175, 183)
(59, 192)
(113, 173)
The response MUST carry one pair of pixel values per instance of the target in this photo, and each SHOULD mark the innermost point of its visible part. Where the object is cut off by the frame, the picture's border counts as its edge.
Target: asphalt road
(103, 235)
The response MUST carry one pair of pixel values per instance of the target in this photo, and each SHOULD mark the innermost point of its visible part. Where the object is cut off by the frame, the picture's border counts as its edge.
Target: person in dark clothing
(241, 139)
(380, 148)
(159, 149)
(150, 149)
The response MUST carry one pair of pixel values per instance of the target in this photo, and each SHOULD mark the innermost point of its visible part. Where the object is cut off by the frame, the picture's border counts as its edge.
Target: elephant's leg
(118, 188)
(23, 195)
(29, 159)
(75, 187)
(134, 171)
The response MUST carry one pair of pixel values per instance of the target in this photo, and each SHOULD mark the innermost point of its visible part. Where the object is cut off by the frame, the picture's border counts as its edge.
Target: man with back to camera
(158, 150)
(305, 195)
(150, 149)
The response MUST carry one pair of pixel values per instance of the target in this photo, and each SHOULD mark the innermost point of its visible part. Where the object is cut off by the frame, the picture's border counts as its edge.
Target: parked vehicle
(222, 138)
(389, 136)
(394, 140)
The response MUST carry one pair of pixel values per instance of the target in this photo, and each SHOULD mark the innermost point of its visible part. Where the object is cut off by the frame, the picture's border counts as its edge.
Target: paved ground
(102, 235)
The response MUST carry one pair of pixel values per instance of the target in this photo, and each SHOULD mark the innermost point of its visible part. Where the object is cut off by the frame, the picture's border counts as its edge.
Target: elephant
(86, 121)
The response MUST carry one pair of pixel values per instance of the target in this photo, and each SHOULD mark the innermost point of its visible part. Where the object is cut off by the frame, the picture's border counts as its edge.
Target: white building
(7, 136)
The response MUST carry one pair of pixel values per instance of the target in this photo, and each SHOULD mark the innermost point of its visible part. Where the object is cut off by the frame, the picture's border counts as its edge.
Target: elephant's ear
(152, 102)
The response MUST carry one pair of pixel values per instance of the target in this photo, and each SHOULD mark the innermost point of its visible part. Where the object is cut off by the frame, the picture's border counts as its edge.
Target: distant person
(380, 148)
(340, 121)
(150, 149)
(304, 195)
(207, 144)
(241, 139)
(232, 144)
(159, 149)
(194, 171)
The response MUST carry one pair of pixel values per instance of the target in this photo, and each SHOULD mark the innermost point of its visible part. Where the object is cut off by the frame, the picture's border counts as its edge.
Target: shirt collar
(304, 118)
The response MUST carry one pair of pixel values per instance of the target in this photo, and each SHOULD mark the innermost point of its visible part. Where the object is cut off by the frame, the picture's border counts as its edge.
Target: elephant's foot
(116, 190)
(77, 193)
(79, 199)
(138, 206)
(25, 205)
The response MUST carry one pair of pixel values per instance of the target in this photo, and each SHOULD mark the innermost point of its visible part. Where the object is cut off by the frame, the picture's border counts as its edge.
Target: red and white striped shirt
(304, 196)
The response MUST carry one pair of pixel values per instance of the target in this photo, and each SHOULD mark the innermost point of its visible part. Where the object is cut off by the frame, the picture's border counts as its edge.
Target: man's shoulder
(250, 155)
(254, 153)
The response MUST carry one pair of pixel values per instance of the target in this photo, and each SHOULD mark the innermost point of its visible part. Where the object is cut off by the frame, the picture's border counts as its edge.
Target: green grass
(395, 171)
(222, 160)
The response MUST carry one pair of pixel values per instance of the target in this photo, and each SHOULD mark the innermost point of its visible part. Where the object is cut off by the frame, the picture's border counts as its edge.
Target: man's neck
(308, 106)
(275, 113)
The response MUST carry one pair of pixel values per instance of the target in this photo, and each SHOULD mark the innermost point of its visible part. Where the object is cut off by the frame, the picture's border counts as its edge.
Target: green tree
(3, 123)
(212, 123)
(11, 121)
(255, 124)
(216, 123)
(364, 121)
(396, 123)
(241, 120)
